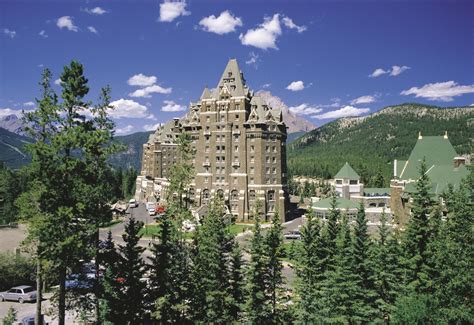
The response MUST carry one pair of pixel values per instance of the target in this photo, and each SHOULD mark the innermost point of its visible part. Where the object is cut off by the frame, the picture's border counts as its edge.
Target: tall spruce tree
(275, 253)
(341, 284)
(363, 268)
(210, 268)
(237, 283)
(310, 271)
(417, 235)
(258, 309)
(329, 234)
(132, 267)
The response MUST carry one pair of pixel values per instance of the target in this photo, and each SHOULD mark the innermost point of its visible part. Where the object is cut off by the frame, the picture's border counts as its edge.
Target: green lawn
(151, 230)
(110, 223)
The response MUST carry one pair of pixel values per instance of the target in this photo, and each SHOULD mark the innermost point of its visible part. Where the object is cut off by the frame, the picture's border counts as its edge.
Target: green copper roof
(436, 150)
(347, 172)
(440, 177)
(341, 203)
(377, 191)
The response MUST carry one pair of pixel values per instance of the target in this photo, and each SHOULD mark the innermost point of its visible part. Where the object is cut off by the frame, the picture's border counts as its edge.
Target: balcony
(235, 164)
(235, 132)
(207, 132)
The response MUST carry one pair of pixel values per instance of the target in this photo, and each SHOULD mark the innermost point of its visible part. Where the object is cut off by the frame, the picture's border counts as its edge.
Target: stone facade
(240, 150)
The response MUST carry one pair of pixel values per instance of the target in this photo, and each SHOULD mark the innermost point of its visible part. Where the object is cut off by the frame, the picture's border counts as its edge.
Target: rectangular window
(274, 170)
(252, 180)
(252, 148)
(267, 160)
(274, 159)
(267, 170)
(252, 170)
(252, 159)
(236, 148)
(206, 179)
(274, 149)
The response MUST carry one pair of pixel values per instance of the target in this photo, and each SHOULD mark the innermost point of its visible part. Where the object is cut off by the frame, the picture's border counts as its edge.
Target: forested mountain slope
(12, 150)
(132, 155)
(372, 142)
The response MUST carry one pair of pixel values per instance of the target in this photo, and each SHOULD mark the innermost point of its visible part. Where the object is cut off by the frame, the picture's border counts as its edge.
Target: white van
(151, 208)
(132, 203)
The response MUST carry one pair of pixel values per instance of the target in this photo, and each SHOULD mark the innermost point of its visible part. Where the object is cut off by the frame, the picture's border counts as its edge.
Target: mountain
(372, 142)
(293, 122)
(132, 155)
(12, 151)
(12, 123)
(293, 136)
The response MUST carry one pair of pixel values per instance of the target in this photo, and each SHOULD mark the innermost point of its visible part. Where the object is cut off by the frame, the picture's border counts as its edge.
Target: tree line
(421, 274)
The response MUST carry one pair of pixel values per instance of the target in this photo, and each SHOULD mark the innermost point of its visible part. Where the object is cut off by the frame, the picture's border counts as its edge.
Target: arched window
(234, 195)
(373, 205)
(205, 195)
(381, 204)
(271, 195)
(252, 195)
(220, 193)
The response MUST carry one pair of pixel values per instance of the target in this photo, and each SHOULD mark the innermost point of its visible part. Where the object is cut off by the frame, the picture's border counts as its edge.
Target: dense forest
(370, 144)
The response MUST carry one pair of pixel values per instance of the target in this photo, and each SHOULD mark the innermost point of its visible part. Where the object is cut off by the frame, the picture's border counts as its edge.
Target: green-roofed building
(347, 182)
(444, 167)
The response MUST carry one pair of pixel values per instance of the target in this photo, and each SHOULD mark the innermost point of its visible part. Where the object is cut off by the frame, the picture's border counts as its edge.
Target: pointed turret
(232, 77)
(206, 94)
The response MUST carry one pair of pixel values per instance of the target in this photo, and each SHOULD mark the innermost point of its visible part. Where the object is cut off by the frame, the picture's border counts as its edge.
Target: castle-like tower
(240, 149)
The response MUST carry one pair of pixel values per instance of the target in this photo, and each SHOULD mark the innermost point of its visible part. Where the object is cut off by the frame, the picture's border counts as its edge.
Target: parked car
(292, 235)
(28, 320)
(151, 208)
(20, 294)
(133, 203)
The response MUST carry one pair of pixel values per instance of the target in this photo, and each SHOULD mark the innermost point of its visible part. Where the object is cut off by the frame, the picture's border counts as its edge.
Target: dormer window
(229, 74)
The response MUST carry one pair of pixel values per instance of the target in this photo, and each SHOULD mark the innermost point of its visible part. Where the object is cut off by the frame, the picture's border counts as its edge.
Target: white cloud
(290, 24)
(171, 106)
(147, 91)
(96, 11)
(396, 70)
(151, 127)
(124, 130)
(92, 29)
(128, 108)
(442, 91)
(141, 80)
(43, 34)
(363, 100)
(296, 86)
(263, 37)
(342, 112)
(304, 109)
(29, 104)
(253, 60)
(378, 72)
(66, 22)
(170, 10)
(225, 23)
(266, 86)
(9, 33)
(57, 82)
(8, 111)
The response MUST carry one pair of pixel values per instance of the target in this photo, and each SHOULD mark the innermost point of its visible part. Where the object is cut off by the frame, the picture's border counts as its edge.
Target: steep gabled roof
(206, 94)
(232, 77)
(437, 151)
(346, 172)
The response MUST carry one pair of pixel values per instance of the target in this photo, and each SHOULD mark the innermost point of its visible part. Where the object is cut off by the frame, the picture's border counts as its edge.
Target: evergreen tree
(210, 268)
(329, 234)
(310, 271)
(275, 253)
(417, 234)
(258, 309)
(132, 269)
(237, 283)
(386, 267)
(363, 268)
(341, 286)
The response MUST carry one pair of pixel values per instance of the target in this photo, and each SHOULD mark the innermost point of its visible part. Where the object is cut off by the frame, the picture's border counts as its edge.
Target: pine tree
(210, 268)
(417, 234)
(132, 269)
(340, 286)
(386, 267)
(363, 268)
(237, 283)
(329, 234)
(310, 271)
(275, 253)
(257, 309)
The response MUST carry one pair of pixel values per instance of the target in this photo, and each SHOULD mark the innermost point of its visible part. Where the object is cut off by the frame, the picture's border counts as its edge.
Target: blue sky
(324, 59)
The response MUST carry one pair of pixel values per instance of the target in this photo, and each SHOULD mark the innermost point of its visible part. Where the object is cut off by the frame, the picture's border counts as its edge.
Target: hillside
(12, 151)
(372, 142)
(132, 155)
(12, 123)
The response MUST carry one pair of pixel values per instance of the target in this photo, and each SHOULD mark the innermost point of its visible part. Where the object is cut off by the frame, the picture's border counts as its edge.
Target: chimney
(458, 161)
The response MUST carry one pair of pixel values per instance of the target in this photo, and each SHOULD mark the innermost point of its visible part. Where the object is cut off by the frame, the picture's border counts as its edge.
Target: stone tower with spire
(240, 149)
